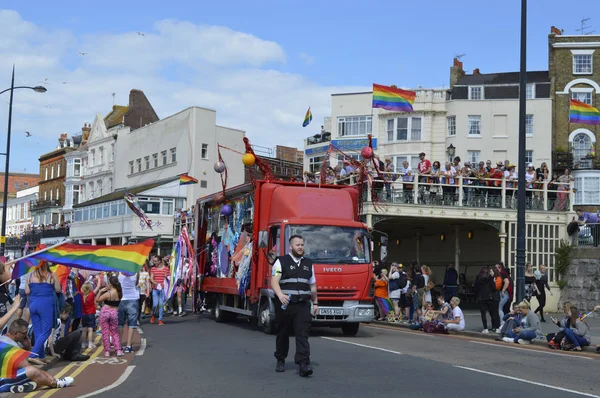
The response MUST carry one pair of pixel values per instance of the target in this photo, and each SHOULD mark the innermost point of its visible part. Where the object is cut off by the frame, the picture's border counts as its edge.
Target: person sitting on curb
(457, 323)
(28, 377)
(530, 327)
(576, 336)
(65, 345)
(510, 321)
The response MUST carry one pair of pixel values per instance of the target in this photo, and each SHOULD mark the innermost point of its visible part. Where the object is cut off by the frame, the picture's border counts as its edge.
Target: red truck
(337, 242)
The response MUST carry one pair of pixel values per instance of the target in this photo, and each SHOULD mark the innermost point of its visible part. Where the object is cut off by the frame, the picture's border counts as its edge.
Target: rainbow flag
(185, 179)
(393, 99)
(126, 258)
(307, 118)
(26, 265)
(580, 112)
(10, 358)
(386, 304)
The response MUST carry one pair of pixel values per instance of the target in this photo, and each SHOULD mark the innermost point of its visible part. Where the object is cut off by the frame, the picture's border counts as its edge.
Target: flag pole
(37, 252)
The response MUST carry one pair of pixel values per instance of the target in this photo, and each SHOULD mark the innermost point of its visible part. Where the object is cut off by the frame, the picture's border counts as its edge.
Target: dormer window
(475, 93)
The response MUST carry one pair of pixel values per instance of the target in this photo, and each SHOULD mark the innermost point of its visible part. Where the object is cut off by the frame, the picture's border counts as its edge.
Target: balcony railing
(589, 235)
(464, 192)
(189, 222)
(34, 236)
(43, 204)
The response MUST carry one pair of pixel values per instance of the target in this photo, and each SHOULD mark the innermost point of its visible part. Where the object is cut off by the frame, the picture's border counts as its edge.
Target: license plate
(330, 311)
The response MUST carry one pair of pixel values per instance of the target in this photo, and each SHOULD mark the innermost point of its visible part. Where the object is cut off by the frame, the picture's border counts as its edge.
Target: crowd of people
(411, 296)
(54, 319)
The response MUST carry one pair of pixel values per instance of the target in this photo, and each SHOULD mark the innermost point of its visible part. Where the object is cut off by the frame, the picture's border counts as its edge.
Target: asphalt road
(197, 357)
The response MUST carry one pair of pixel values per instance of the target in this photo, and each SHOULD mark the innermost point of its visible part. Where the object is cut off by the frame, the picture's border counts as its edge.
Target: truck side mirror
(263, 239)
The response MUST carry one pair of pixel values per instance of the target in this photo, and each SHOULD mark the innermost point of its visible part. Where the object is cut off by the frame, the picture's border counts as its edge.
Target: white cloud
(177, 65)
(307, 59)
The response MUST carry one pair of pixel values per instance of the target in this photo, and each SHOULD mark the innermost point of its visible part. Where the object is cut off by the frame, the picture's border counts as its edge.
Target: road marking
(117, 383)
(362, 345)
(528, 382)
(399, 330)
(528, 349)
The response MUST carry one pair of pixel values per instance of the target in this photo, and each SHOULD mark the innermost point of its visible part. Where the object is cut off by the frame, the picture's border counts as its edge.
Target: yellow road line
(66, 369)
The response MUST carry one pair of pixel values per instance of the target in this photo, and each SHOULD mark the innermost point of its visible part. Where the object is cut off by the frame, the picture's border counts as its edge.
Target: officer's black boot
(305, 370)
(280, 366)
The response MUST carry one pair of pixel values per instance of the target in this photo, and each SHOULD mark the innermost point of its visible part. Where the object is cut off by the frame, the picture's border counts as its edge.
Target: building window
(404, 125)
(451, 120)
(57, 194)
(52, 172)
(149, 205)
(112, 152)
(203, 184)
(356, 125)
(46, 173)
(587, 190)
(582, 64)
(45, 195)
(315, 163)
(582, 146)
(530, 91)
(100, 186)
(77, 193)
(475, 125)
(138, 162)
(92, 157)
(147, 162)
(474, 157)
(164, 157)
(51, 195)
(155, 160)
(582, 96)
(101, 154)
(475, 93)
(204, 152)
(390, 130)
(529, 156)
(529, 125)
(398, 161)
(173, 155)
(76, 167)
(168, 206)
(58, 170)
(110, 185)
(131, 167)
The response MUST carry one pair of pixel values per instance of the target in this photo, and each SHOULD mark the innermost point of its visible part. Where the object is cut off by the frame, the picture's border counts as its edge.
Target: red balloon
(367, 152)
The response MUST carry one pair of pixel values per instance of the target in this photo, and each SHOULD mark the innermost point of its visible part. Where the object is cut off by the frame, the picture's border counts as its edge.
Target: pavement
(194, 356)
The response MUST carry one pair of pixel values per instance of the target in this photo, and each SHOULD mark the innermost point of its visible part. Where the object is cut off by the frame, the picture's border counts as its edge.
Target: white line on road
(117, 383)
(528, 350)
(142, 347)
(399, 330)
(362, 345)
(528, 382)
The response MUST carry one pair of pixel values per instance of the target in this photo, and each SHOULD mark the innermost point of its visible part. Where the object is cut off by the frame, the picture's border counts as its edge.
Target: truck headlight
(364, 312)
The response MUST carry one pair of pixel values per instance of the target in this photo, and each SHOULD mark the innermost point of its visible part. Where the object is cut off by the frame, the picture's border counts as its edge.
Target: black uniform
(294, 281)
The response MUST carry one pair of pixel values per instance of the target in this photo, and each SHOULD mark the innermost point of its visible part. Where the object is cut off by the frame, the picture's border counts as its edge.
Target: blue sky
(259, 65)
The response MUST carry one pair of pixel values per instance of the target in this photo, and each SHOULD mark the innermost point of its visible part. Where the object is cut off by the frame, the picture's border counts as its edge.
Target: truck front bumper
(348, 313)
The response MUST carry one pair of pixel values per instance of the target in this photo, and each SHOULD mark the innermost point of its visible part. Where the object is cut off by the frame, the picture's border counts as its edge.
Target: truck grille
(336, 293)
(331, 317)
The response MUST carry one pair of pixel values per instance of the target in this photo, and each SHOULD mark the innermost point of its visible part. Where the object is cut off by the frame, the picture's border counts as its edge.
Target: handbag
(430, 285)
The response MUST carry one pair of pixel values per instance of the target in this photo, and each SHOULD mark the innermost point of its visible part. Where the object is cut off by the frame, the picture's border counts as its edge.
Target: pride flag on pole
(580, 112)
(307, 118)
(393, 99)
(185, 179)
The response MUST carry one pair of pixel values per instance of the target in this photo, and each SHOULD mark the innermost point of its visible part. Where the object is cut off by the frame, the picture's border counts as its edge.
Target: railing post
(416, 189)
(546, 208)
(503, 196)
(460, 191)
(571, 196)
(369, 188)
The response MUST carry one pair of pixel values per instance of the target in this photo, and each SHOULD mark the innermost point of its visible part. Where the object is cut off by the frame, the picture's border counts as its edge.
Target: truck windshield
(328, 244)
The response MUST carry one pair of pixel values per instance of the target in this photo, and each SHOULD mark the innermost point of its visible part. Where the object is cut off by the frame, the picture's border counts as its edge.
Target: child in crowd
(88, 320)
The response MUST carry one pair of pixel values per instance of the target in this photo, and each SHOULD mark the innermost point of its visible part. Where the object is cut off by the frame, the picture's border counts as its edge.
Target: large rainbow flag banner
(580, 112)
(10, 359)
(126, 258)
(393, 99)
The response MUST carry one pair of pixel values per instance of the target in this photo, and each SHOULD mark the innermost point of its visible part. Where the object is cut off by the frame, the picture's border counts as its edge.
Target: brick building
(574, 68)
(282, 169)
(47, 209)
(289, 154)
(17, 182)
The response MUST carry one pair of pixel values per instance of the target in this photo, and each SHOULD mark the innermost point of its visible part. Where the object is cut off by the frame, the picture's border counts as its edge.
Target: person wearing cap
(395, 289)
(495, 190)
(530, 177)
(424, 168)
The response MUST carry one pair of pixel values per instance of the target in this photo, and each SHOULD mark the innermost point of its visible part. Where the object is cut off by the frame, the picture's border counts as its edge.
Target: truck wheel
(264, 318)
(350, 329)
(220, 315)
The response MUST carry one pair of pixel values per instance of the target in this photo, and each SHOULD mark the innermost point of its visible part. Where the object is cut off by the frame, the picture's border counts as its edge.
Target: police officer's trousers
(295, 317)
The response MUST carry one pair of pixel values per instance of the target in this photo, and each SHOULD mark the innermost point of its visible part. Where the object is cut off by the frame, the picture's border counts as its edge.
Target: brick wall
(55, 168)
(17, 182)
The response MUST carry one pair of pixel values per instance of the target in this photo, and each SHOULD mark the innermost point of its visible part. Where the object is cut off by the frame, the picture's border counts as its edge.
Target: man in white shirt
(128, 308)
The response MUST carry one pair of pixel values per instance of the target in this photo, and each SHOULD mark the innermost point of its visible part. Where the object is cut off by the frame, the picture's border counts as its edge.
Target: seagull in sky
(83, 53)
(27, 134)
(141, 34)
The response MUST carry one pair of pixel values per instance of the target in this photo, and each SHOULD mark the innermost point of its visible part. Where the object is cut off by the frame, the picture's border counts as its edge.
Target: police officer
(293, 281)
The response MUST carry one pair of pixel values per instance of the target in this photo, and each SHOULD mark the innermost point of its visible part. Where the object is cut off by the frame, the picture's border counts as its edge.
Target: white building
(19, 218)
(483, 117)
(398, 135)
(147, 163)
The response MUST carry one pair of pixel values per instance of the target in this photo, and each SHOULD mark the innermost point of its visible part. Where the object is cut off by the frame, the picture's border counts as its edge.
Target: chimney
(456, 72)
(476, 71)
(85, 132)
(63, 136)
(554, 30)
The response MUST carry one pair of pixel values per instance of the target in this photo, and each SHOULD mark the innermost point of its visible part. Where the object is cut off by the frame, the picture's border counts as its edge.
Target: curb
(470, 333)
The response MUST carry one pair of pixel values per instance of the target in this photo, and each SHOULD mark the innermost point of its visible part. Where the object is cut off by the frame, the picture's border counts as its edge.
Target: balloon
(248, 159)
(219, 167)
(227, 210)
(367, 152)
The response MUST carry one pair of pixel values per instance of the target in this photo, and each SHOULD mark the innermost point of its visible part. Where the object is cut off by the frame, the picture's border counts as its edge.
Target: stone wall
(583, 279)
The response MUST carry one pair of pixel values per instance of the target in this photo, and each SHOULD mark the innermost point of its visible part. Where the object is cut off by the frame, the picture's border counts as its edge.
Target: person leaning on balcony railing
(564, 182)
(591, 219)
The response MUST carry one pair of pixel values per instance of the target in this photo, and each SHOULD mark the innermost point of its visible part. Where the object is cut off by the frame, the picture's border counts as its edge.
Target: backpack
(402, 280)
(499, 282)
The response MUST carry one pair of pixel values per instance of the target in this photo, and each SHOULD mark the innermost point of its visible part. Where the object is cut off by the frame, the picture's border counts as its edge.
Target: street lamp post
(39, 89)
(521, 198)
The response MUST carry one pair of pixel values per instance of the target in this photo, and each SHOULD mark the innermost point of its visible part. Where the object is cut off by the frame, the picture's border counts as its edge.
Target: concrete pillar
(502, 235)
(94, 242)
(123, 240)
(369, 220)
(419, 247)
(457, 248)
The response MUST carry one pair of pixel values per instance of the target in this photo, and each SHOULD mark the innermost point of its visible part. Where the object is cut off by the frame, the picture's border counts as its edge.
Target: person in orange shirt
(381, 291)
